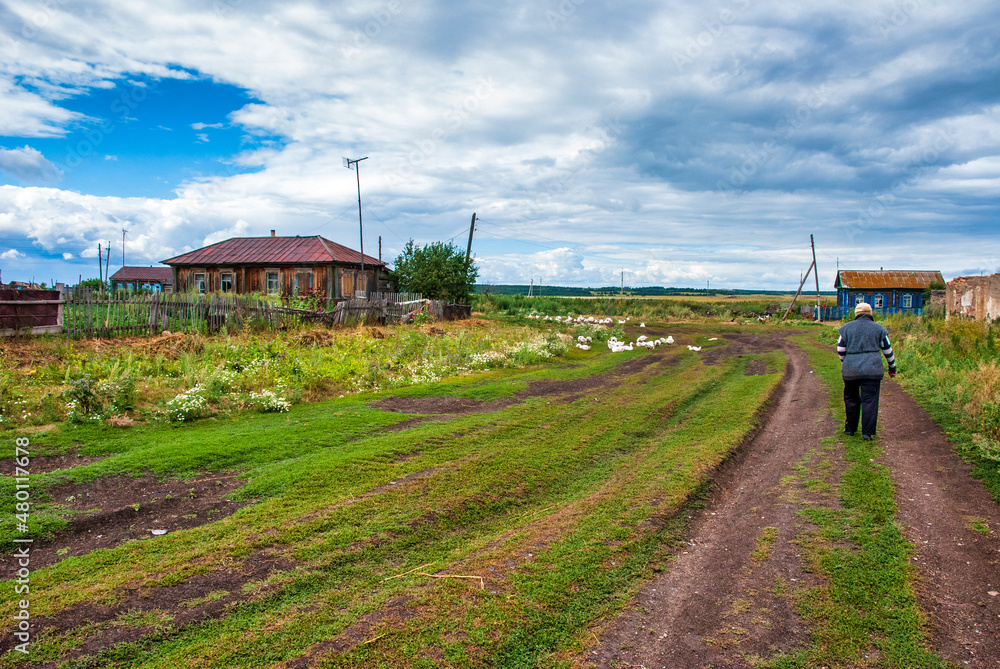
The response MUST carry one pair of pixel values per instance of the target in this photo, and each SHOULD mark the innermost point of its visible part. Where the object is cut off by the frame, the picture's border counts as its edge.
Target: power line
(384, 224)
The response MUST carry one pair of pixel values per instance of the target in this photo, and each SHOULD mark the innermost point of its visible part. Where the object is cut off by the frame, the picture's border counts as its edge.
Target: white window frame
(277, 281)
(858, 299)
(906, 301)
(878, 301)
(200, 285)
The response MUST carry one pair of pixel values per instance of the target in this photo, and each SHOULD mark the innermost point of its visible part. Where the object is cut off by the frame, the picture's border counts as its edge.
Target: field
(515, 514)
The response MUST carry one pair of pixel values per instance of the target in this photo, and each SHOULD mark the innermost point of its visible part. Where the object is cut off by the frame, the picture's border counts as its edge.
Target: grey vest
(863, 339)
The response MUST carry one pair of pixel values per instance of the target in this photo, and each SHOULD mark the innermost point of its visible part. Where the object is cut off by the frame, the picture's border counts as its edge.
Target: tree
(94, 283)
(439, 271)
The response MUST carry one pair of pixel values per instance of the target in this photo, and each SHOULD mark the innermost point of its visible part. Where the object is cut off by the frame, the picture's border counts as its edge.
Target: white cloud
(11, 254)
(28, 165)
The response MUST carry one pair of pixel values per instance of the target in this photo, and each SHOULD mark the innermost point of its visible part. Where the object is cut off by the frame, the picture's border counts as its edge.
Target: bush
(438, 271)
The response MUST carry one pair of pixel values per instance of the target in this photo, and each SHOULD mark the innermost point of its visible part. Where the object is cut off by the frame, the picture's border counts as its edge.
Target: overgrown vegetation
(183, 377)
(951, 368)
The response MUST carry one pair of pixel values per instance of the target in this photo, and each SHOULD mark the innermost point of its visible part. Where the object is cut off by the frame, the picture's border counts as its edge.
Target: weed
(976, 524)
(764, 545)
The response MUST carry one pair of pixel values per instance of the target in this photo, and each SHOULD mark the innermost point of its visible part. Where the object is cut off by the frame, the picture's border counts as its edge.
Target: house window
(199, 282)
(273, 285)
(858, 299)
(907, 302)
(877, 301)
(303, 282)
(226, 282)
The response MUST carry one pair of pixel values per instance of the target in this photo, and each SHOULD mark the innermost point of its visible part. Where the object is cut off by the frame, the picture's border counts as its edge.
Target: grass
(563, 508)
(950, 368)
(865, 614)
(46, 380)
(660, 309)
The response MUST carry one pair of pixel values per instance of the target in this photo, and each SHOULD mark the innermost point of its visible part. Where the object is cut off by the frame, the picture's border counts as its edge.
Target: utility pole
(812, 243)
(107, 265)
(798, 292)
(100, 264)
(380, 248)
(123, 247)
(472, 228)
(357, 169)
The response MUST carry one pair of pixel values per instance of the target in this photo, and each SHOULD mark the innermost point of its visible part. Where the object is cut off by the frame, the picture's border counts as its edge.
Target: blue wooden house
(888, 291)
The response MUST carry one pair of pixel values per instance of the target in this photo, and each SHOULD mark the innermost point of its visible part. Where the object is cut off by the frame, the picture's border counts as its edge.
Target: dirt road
(721, 605)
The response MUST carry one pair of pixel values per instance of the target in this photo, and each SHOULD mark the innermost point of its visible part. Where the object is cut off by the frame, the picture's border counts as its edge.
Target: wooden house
(151, 278)
(277, 266)
(888, 291)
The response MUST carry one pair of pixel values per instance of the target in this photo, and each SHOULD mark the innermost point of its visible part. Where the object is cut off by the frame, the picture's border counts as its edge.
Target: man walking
(861, 346)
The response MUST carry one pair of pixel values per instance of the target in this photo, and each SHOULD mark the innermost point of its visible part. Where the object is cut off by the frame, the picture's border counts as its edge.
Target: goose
(583, 347)
(669, 339)
(694, 348)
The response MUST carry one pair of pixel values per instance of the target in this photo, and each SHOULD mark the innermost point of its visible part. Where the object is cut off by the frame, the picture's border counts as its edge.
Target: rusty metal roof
(272, 251)
(887, 279)
(157, 274)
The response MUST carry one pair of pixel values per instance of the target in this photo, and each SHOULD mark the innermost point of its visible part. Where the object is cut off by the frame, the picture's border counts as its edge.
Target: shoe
(868, 437)
(849, 434)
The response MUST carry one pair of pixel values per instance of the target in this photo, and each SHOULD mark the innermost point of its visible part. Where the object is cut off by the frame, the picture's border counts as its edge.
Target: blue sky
(679, 142)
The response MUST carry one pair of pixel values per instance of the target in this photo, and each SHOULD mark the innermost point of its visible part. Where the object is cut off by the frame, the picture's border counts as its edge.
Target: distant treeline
(614, 291)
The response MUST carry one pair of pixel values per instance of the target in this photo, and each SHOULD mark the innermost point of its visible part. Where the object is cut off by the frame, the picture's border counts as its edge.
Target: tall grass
(620, 307)
(950, 367)
(48, 379)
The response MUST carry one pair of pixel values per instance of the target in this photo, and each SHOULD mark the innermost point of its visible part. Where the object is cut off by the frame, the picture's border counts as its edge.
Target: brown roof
(155, 274)
(272, 251)
(887, 279)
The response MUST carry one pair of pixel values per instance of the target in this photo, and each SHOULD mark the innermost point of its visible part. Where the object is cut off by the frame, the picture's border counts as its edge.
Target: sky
(685, 144)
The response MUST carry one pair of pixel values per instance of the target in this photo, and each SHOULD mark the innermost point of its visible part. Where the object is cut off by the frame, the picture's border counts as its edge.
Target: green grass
(866, 613)
(950, 368)
(563, 508)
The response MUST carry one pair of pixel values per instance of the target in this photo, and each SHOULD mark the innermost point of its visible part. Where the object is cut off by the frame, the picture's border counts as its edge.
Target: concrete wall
(974, 297)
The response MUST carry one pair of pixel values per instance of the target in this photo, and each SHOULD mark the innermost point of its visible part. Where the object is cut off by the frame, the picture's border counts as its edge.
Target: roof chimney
(272, 233)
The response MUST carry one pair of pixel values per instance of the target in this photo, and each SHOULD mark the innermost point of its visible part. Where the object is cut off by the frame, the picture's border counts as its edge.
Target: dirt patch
(459, 406)
(202, 596)
(445, 408)
(112, 510)
(741, 344)
(41, 464)
(939, 506)
(715, 604)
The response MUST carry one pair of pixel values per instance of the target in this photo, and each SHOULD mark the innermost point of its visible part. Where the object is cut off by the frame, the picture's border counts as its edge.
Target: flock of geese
(615, 346)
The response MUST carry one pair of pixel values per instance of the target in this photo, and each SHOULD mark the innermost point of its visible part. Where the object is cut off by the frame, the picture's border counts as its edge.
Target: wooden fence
(91, 313)
(32, 311)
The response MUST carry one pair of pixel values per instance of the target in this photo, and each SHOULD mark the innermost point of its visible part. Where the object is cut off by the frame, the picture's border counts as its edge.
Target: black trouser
(861, 401)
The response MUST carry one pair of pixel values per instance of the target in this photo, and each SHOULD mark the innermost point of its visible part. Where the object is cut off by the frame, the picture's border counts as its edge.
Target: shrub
(187, 406)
